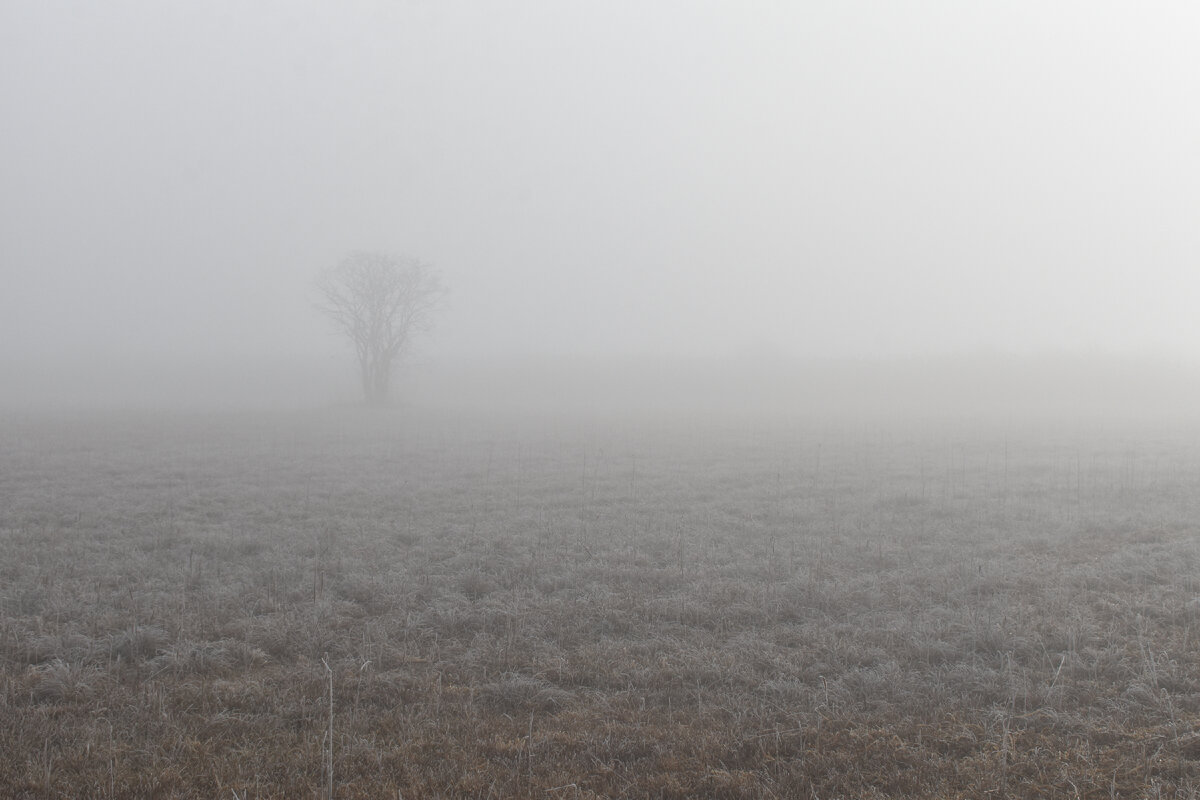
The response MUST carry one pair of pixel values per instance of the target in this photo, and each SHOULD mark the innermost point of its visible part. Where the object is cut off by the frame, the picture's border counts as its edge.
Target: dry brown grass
(596, 608)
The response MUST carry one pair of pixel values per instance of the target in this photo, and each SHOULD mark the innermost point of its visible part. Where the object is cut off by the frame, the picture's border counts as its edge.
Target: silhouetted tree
(380, 301)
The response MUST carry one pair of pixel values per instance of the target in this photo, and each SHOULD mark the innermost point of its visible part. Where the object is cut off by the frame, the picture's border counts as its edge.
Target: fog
(769, 190)
(809, 404)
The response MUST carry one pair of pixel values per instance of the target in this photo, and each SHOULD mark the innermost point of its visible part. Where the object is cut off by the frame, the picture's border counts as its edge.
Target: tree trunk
(383, 375)
(376, 379)
(366, 374)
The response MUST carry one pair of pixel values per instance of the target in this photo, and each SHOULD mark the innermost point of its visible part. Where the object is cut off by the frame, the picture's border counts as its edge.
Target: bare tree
(380, 301)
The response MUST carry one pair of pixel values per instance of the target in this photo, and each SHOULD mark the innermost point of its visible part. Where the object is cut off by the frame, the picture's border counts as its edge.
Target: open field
(596, 606)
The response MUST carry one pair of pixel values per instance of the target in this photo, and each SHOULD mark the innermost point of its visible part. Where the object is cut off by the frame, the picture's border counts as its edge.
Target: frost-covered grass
(596, 606)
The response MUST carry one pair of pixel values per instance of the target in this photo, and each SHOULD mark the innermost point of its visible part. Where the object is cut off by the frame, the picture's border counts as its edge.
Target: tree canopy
(381, 302)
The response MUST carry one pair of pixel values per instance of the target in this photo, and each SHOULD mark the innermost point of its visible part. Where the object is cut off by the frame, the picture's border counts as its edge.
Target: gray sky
(619, 177)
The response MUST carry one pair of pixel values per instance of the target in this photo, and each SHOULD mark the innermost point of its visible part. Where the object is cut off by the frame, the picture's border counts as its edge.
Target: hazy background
(596, 180)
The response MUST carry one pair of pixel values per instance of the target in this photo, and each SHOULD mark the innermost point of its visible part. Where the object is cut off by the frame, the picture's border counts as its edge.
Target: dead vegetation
(615, 608)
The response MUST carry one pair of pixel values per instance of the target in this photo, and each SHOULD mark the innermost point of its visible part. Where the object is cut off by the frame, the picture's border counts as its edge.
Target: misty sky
(605, 177)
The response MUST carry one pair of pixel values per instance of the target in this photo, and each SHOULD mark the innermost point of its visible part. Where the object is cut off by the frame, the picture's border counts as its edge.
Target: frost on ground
(616, 607)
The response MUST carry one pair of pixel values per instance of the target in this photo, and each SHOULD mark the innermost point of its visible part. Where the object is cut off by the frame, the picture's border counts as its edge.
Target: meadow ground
(598, 606)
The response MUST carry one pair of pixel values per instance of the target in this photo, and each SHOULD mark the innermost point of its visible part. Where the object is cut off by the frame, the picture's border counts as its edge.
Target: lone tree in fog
(380, 301)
